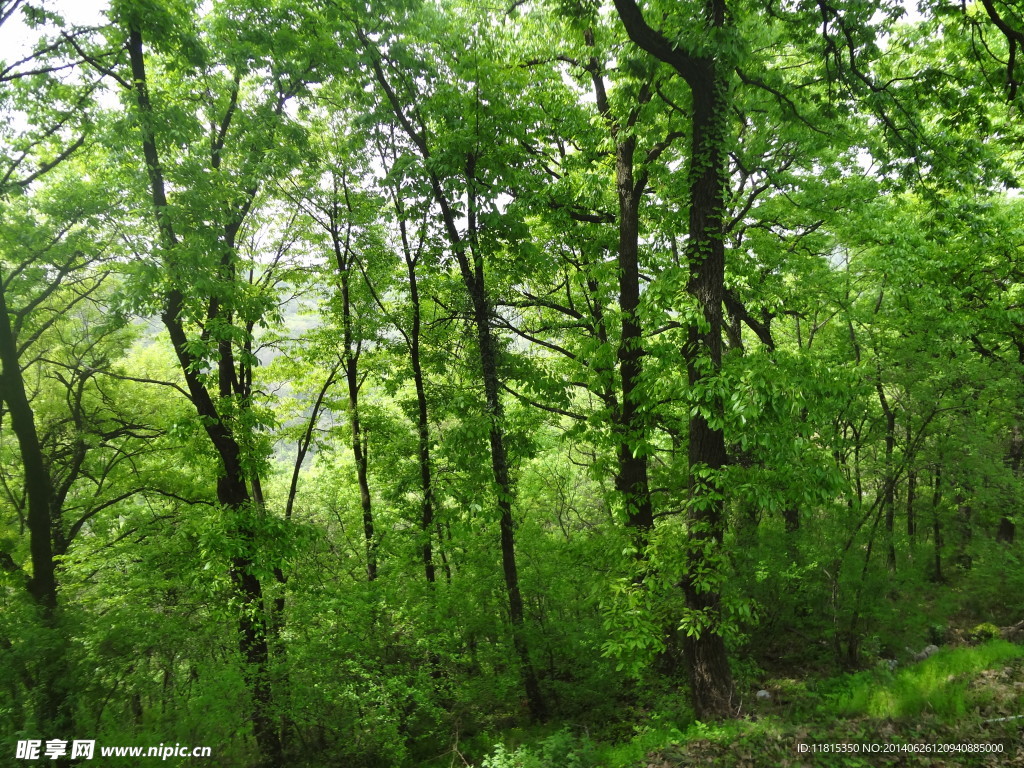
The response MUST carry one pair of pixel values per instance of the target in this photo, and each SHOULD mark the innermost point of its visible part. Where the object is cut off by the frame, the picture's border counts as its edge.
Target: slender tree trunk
(422, 430)
(53, 714)
(889, 478)
(911, 493)
(911, 499)
(445, 565)
(345, 258)
(422, 415)
(231, 488)
(471, 267)
(233, 495)
(964, 515)
(631, 477)
(505, 493)
(488, 351)
(937, 526)
(359, 450)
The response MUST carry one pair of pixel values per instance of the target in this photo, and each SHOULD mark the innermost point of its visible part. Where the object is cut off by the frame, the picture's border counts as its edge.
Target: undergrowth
(959, 696)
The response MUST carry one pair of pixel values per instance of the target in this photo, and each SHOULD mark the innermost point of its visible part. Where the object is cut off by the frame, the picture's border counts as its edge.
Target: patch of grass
(635, 750)
(939, 684)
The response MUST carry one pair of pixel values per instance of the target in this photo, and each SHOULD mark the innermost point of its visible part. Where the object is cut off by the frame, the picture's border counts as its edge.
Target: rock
(1014, 634)
(763, 695)
(928, 650)
(889, 664)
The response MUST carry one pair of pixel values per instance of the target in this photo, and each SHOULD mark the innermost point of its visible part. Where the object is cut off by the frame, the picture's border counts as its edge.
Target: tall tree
(58, 125)
(473, 174)
(706, 75)
(198, 229)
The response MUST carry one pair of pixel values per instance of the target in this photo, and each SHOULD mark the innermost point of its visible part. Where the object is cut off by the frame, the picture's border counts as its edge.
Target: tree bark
(710, 676)
(351, 348)
(631, 478)
(488, 352)
(359, 444)
(422, 415)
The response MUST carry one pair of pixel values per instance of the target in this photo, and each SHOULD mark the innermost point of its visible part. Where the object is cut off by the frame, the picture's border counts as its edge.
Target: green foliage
(990, 587)
(560, 748)
(359, 200)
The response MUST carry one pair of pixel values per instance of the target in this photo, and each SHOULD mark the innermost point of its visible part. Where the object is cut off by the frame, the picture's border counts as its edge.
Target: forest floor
(962, 706)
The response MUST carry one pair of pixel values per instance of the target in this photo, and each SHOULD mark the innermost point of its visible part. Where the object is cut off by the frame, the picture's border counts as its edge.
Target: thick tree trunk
(710, 677)
(43, 584)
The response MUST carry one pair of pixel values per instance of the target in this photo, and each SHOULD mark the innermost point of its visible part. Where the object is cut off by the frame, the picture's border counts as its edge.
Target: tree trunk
(499, 459)
(422, 431)
(231, 488)
(911, 496)
(422, 415)
(53, 714)
(937, 526)
(344, 258)
(964, 524)
(710, 677)
(471, 267)
(233, 495)
(631, 480)
(359, 447)
(631, 477)
(889, 478)
(1007, 530)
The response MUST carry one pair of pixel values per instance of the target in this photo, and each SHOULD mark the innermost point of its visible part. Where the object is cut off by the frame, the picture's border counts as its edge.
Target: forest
(511, 383)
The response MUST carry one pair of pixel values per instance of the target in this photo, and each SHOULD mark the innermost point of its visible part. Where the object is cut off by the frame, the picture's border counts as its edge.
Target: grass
(941, 684)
